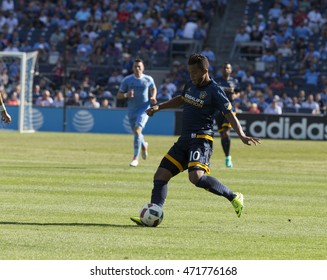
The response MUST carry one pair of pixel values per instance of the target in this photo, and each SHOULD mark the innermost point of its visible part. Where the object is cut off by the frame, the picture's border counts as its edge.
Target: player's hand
(247, 140)
(150, 112)
(5, 117)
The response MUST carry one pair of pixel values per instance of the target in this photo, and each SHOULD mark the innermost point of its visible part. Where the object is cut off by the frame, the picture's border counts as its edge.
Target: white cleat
(134, 163)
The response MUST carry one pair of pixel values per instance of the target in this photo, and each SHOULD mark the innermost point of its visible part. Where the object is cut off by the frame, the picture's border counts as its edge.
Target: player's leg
(200, 153)
(226, 144)
(169, 166)
(139, 142)
(174, 162)
(224, 131)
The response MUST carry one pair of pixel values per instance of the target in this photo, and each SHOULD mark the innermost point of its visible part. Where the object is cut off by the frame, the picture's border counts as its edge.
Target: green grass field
(70, 196)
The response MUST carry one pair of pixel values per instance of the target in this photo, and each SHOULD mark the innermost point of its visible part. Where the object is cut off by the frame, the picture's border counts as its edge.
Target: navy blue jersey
(231, 83)
(200, 106)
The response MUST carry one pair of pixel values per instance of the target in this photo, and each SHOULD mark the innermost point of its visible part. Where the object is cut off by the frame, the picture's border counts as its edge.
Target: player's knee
(137, 130)
(194, 177)
(162, 174)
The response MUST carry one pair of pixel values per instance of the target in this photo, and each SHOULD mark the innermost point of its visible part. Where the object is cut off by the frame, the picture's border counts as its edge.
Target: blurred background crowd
(86, 48)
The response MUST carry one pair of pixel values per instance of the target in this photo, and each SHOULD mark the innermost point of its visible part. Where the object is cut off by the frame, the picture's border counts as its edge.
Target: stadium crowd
(102, 38)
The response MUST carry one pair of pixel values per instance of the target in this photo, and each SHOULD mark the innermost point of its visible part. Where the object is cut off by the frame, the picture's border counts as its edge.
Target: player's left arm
(5, 117)
(153, 95)
(233, 120)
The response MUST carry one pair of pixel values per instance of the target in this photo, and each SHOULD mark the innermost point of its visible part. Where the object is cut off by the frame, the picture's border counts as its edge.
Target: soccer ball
(151, 215)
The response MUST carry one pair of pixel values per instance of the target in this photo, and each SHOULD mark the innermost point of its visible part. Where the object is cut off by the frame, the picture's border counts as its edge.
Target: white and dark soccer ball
(151, 215)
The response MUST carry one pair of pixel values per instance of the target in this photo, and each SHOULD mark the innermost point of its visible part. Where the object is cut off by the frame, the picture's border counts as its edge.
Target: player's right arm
(5, 117)
(172, 103)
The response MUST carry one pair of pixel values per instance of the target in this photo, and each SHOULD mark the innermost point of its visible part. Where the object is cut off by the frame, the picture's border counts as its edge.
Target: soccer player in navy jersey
(5, 117)
(140, 90)
(232, 90)
(200, 99)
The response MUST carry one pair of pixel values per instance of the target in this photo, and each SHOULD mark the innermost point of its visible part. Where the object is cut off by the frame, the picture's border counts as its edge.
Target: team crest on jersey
(228, 106)
(203, 94)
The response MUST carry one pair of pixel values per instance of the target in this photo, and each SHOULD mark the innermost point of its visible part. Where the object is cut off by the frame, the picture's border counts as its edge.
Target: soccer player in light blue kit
(140, 89)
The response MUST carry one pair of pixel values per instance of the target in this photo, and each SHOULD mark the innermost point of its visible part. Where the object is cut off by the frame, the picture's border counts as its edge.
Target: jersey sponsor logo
(203, 94)
(194, 101)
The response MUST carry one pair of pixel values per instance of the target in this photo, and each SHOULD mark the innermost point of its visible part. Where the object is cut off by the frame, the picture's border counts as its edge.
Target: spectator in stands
(8, 5)
(84, 50)
(189, 29)
(286, 18)
(301, 96)
(83, 14)
(241, 35)
(262, 104)
(323, 94)
(58, 100)
(122, 15)
(13, 99)
(43, 48)
(160, 46)
(276, 84)
(128, 34)
(314, 18)
(91, 101)
(10, 47)
(163, 94)
(141, 4)
(256, 97)
(54, 55)
(275, 12)
(105, 104)
(200, 32)
(285, 51)
(126, 63)
(269, 39)
(73, 36)
(12, 22)
(97, 56)
(310, 103)
(303, 31)
(295, 104)
(249, 77)
(238, 72)
(268, 56)
(312, 75)
(254, 109)
(116, 77)
(312, 55)
(74, 100)
(285, 100)
(273, 107)
(260, 83)
(25, 46)
(300, 16)
(209, 54)
(322, 103)
(45, 99)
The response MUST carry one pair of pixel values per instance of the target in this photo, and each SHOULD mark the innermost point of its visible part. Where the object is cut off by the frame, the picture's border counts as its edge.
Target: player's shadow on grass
(66, 224)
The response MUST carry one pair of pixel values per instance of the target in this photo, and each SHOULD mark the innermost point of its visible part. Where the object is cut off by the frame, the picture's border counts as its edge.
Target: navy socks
(212, 185)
